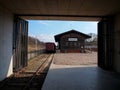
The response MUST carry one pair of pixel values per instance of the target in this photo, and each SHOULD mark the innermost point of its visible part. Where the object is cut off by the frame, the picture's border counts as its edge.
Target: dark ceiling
(62, 9)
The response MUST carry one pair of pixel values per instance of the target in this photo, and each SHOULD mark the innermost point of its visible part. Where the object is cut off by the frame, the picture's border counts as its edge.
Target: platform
(82, 77)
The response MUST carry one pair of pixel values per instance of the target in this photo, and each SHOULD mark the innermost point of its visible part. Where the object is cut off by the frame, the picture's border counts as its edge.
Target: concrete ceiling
(62, 9)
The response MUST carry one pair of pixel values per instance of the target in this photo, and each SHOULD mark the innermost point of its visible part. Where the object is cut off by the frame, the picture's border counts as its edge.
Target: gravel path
(75, 58)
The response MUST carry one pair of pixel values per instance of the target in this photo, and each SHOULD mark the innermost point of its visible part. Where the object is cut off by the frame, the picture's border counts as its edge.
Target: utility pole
(36, 46)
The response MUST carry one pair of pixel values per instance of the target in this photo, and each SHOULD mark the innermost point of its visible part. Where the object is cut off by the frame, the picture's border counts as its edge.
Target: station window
(72, 39)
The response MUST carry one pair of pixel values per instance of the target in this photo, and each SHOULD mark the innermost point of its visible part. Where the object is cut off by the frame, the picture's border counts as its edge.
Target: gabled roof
(58, 36)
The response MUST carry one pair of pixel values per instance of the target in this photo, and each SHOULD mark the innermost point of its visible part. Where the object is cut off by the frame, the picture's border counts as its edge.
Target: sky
(44, 30)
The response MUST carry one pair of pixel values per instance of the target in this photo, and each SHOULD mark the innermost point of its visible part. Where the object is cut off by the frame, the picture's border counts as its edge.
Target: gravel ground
(75, 58)
(34, 63)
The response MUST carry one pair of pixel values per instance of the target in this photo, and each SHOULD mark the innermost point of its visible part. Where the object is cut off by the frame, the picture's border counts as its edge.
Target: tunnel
(13, 24)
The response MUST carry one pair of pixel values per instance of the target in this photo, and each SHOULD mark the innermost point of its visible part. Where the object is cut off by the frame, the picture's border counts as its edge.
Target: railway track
(32, 77)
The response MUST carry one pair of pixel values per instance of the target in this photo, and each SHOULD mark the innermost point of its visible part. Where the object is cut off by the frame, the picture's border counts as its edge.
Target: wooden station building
(71, 41)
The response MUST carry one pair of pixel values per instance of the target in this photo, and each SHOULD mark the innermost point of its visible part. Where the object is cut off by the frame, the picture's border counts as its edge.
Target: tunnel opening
(105, 36)
(70, 25)
(49, 28)
(105, 31)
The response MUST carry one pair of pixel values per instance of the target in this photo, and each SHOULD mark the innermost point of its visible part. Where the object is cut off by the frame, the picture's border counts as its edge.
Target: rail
(39, 70)
(26, 79)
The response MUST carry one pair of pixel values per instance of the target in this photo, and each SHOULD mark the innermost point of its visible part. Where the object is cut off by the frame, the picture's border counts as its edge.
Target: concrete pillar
(117, 44)
(6, 31)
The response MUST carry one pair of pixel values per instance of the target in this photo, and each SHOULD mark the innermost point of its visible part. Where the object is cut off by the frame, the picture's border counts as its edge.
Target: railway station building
(71, 41)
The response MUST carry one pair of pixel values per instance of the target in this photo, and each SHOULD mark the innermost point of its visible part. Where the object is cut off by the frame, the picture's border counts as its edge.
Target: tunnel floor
(80, 77)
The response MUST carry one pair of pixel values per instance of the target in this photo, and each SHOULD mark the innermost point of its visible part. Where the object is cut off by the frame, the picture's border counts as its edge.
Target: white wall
(6, 29)
(117, 44)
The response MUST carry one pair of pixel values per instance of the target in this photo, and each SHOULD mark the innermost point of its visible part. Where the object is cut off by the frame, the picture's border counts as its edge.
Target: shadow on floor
(81, 78)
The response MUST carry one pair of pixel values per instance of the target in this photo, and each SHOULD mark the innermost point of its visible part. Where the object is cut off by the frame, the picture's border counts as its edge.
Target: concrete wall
(6, 29)
(117, 44)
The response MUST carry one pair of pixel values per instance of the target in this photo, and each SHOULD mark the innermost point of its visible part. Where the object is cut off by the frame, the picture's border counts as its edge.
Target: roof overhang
(89, 10)
(61, 17)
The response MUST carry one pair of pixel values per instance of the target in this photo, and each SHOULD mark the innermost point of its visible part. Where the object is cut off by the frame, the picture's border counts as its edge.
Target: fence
(33, 54)
(92, 47)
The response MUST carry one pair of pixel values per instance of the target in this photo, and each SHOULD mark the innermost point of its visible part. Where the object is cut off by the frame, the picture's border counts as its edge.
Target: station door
(105, 43)
(20, 35)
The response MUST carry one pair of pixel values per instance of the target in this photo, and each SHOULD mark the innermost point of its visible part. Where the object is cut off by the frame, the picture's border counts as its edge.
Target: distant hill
(34, 44)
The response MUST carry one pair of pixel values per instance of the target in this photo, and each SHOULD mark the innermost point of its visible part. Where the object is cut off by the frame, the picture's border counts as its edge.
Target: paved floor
(65, 77)
(75, 58)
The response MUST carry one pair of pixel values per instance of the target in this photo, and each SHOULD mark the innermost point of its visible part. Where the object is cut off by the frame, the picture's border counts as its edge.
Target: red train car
(50, 47)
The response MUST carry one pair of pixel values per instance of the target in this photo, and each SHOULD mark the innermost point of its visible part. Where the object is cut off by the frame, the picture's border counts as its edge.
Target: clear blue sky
(45, 30)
